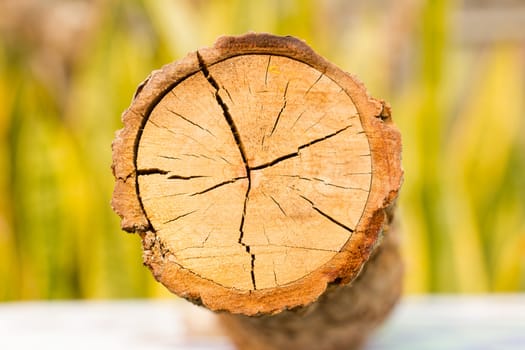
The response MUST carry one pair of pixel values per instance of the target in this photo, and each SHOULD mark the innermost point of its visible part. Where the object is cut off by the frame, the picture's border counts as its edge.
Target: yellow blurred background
(453, 71)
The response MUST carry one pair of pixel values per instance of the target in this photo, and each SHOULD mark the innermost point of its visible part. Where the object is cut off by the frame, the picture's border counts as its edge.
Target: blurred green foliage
(460, 108)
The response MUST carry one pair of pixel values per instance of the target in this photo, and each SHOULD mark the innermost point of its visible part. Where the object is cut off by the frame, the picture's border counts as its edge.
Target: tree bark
(260, 178)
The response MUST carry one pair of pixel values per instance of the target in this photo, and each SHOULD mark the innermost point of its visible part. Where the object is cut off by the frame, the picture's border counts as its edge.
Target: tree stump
(261, 177)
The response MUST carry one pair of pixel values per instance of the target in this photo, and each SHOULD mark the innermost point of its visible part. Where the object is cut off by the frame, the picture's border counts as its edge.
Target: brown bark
(259, 177)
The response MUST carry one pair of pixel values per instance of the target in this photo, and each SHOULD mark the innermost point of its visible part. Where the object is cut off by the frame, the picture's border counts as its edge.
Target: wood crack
(169, 157)
(218, 185)
(297, 119)
(282, 109)
(314, 83)
(178, 134)
(278, 205)
(238, 141)
(166, 196)
(179, 217)
(338, 223)
(297, 247)
(151, 171)
(190, 122)
(326, 182)
(267, 69)
(339, 186)
(295, 154)
(180, 177)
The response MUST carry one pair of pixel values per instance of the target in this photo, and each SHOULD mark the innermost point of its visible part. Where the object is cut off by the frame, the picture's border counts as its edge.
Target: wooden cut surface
(299, 170)
(249, 168)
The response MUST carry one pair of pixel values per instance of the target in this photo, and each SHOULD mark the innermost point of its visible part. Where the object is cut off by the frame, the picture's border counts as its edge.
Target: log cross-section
(256, 173)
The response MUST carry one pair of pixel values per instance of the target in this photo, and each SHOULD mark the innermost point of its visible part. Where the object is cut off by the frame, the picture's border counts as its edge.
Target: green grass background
(459, 105)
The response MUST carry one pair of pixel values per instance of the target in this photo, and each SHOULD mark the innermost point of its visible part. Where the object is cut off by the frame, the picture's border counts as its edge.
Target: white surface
(455, 322)
(446, 322)
(131, 325)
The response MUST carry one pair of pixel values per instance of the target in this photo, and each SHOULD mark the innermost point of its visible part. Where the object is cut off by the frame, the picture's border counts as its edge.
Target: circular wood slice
(256, 172)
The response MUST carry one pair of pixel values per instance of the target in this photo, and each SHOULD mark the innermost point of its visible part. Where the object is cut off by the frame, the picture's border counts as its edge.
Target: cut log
(257, 174)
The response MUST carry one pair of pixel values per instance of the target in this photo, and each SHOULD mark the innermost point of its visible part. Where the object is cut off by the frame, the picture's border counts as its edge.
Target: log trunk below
(261, 179)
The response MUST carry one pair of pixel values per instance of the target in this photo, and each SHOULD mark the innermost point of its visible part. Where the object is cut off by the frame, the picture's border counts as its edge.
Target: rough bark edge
(385, 144)
(125, 201)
